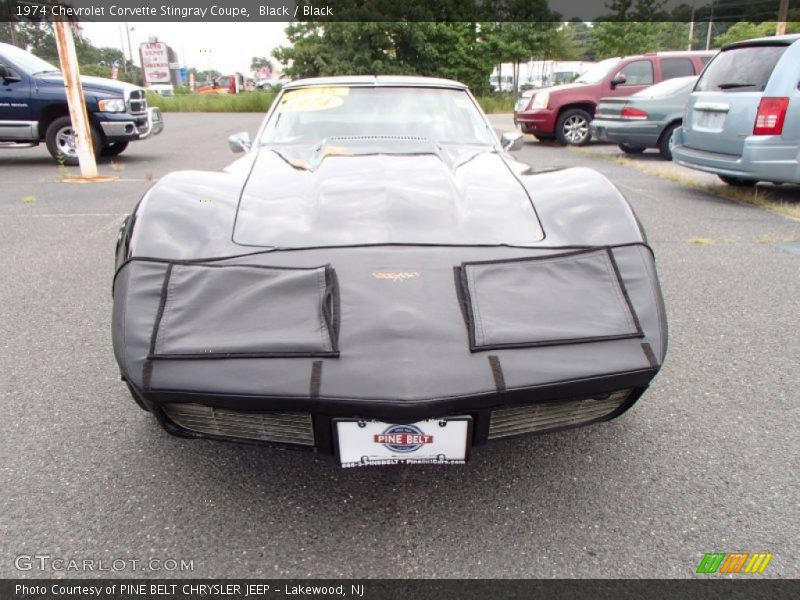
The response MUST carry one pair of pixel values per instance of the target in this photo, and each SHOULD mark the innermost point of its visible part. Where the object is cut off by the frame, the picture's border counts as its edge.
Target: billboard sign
(155, 62)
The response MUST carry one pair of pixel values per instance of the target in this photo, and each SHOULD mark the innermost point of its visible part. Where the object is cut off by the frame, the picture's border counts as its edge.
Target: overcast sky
(226, 47)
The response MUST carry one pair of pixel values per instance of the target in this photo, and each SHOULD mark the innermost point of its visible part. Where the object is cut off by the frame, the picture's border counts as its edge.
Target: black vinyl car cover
(406, 285)
(387, 331)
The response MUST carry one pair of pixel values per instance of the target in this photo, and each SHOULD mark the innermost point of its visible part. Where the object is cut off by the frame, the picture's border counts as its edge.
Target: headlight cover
(112, 105)
(540, 100)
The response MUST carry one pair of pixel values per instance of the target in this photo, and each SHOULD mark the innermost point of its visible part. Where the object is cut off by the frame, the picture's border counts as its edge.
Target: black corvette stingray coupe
(377, 278)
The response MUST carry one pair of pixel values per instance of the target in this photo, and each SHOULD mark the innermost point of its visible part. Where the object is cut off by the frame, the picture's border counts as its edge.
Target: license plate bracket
(368, 442)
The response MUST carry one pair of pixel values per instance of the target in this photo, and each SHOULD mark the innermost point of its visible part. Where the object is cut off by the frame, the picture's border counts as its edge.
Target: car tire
(627, 149)
(665, 141)
(59, 139)
(114, 149)
(738, 181)
(572, 127)
(544, 138)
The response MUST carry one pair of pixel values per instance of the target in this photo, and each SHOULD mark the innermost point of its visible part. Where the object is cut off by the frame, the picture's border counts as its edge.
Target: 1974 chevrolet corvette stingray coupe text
(379, 279)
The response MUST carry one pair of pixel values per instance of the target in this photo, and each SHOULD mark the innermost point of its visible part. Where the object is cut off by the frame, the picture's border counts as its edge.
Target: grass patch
(244, 102)
(261, 101)
(755, 196)
(496, 103)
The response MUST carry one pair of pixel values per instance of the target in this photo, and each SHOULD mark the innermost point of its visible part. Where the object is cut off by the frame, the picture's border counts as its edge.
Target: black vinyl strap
(147, 369)
(316, 379)
(497, 373)
(648, 352)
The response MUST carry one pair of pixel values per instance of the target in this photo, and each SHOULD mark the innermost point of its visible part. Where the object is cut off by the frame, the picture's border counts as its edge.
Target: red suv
(563, 112)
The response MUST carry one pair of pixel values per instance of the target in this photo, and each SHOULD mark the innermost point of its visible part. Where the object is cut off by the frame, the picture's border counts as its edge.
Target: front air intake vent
(507, 422)
(284, 427)
(357, 138)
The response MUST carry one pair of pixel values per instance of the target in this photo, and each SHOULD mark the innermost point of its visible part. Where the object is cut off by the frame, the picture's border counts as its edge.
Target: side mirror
(239, 142)
(512, 140)
(619, 79)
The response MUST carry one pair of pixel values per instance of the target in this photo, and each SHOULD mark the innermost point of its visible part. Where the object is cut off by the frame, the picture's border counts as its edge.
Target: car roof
(376, 81)
(774, 40)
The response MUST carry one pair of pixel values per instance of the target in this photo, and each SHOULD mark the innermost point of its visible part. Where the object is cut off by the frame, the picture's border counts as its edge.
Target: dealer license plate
(432, 441)
(709, 120)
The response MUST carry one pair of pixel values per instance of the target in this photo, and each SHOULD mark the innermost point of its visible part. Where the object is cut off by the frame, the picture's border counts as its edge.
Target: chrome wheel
(576, 129)
(65, 141)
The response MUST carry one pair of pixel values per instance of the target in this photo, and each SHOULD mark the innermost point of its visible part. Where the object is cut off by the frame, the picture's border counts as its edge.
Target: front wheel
(60, 141)
(572, 127)
(628, 149)
(738, 181)
(114, 149)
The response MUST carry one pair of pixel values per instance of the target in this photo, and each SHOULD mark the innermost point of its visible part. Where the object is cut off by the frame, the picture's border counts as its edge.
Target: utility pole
(130, 48)
(75, 99)
(783, 15)
(14, 40)
(691, 29)
(710, 26)
(122, 45)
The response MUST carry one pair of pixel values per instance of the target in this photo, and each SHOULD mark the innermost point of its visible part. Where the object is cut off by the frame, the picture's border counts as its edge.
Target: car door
(638, 75)
(15, 106)
(722, 109)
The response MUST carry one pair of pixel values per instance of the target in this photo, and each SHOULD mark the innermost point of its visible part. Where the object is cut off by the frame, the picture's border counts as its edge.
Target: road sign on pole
(75, 99)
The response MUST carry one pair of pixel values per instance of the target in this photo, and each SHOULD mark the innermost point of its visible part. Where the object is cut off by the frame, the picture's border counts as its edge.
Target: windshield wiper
(47, 71)
(732, 85)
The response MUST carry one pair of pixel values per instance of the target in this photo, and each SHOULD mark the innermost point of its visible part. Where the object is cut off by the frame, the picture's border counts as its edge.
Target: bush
(245, 102)
(261, 101)
(497, 103)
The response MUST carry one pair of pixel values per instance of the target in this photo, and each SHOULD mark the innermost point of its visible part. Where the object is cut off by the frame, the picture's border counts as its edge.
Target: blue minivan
(742, 121)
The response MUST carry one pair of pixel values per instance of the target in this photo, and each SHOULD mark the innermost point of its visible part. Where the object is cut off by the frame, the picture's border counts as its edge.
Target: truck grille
(285, 427)
(137, 102)
(516, 420)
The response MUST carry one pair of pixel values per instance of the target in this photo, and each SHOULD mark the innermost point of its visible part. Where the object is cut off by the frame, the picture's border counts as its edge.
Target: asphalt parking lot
(706, 461)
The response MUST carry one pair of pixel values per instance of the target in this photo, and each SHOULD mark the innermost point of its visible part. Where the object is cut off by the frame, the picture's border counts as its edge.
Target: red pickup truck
(563, 112)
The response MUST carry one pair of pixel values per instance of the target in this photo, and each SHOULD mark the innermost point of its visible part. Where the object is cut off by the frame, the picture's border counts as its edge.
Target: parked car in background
(33, 109)
(743, 119)
(564, 112)
(645, 120)
(162, 89)
(224, 84)
(562, 77)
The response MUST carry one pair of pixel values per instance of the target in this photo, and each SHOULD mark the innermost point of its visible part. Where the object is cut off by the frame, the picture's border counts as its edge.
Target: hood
(554, 89)
(90, 84)
(345, 193)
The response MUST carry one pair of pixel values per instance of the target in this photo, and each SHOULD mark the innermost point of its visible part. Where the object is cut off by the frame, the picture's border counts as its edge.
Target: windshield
(27, 62)
(743, 69)
(668, 87)
(598, 72)
(443, 116)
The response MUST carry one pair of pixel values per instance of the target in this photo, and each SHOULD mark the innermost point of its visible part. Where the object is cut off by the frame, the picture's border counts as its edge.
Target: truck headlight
(540, 100)
(112, 105)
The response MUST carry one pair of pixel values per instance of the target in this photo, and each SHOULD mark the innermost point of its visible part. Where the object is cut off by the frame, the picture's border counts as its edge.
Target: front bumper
(633, 133)
(539, 121)
(763, 158)
(311, 424)
(119, 127)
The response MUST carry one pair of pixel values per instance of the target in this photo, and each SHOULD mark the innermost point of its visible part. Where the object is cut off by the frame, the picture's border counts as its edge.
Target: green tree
(260, 62)
(365, 48)
(744, 30)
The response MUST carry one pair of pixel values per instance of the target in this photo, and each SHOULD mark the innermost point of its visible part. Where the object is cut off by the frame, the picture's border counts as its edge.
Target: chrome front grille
(532, 418)
(285, 427)
(137, 102)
